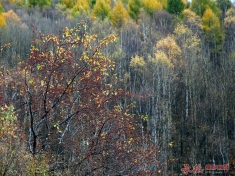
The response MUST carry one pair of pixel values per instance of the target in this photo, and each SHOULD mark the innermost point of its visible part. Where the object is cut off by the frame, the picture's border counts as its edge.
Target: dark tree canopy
(224, 5)
(40, 3)
(175, 6)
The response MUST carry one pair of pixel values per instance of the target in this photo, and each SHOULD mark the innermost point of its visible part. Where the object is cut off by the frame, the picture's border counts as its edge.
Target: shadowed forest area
(117, 87)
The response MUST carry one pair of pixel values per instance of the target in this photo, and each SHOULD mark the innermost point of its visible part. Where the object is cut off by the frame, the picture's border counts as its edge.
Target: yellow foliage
(11, 1)
(161, 59)
(102, 9)
(160, 56)
(182, 30)
(230, 17)
(163, 3)
(188, 40)
(212, 28)
(171, 144)
(12, 17)
(119, 14)
(82, 6)
(184, 1)
(130, 140)
(170, 47)
(192, 17)
(188, 13)
(230, 12)
(68, 3)
(137, 61)
(2, 21)
(210, 20)
(152, 5)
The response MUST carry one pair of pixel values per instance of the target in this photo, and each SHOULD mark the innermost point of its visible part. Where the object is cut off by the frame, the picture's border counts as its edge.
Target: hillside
(127, 87)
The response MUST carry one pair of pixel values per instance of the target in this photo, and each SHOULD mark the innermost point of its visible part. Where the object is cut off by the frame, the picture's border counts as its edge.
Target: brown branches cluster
(67, 104)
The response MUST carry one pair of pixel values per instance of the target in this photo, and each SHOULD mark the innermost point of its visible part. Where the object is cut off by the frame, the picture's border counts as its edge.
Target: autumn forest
(117, 87)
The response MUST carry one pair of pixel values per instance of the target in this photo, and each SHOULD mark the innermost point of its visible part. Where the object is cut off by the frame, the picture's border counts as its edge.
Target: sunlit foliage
(82, 7)
(137, 63)
(161, 60)
(119, 14)
(171, 49)
(12, 17)
(230, 18)
(2, 19)
(189, 40)
(184, 1)
(164, 3)
(212, 28)
(152, 5)
(191, 17)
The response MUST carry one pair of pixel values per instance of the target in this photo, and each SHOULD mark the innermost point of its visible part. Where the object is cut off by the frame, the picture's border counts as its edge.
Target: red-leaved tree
(66, 98)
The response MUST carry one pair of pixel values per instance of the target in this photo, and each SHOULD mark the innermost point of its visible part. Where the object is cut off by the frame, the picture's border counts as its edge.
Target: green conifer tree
(102, 9)
(175, 6)
(134, 8)
(40, 3)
